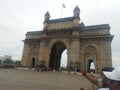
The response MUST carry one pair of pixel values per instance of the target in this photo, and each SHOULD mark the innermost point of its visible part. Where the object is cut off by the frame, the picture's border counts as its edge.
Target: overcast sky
(17, 17)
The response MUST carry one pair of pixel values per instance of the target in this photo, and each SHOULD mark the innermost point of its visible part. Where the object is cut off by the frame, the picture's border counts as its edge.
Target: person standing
(113, 79)
(101, 82)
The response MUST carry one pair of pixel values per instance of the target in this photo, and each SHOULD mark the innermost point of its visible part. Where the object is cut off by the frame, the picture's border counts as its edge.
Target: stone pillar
(74, 52)
(105, 54)
(82, 55)
(43, 52)
(26, 55)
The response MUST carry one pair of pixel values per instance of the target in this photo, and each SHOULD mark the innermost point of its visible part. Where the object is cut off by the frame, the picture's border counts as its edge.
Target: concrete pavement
(14, 79)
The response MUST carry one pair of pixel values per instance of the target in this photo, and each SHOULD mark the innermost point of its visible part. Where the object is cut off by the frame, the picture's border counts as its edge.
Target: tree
(8, 61)
(0, 62)
(17, 63)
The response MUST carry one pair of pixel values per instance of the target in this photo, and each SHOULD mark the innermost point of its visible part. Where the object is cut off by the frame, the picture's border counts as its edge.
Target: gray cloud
(20, 16)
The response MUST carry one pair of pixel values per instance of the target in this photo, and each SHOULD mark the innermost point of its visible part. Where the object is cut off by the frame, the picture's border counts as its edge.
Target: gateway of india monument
(84, 44)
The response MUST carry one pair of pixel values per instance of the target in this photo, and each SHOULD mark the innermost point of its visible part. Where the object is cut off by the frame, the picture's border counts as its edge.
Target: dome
(76, 9)
(47, 14)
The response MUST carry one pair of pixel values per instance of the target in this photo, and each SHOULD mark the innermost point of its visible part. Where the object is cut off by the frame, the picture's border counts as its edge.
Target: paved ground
(13, 79)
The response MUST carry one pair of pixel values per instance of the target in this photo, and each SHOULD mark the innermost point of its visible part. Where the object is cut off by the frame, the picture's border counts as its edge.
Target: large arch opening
(90, 58)
(55, 55)
(33, 62)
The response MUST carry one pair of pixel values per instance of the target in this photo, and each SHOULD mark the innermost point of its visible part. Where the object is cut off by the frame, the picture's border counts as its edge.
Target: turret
(46, 17)
(76, 12)
(76, 16)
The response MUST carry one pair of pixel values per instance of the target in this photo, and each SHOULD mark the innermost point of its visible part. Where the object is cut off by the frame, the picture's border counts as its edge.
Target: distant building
(5, 56)
(1, 58)
(8, 56)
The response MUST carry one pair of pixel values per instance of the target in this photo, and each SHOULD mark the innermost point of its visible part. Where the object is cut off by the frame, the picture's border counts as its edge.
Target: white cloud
(111, 3)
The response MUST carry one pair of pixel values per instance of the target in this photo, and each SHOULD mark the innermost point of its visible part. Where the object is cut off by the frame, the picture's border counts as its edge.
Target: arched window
(90, 56)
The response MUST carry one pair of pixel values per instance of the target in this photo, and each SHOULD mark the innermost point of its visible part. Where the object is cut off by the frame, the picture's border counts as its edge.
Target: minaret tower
(76, 16)
(46, 19)
(76, 12)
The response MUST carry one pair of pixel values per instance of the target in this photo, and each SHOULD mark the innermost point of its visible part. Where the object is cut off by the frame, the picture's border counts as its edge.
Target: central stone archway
(55, 55)
(82, 43)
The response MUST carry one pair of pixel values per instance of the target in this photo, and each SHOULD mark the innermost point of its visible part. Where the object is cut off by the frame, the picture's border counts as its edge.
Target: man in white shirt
(110, 79)
(113, 79)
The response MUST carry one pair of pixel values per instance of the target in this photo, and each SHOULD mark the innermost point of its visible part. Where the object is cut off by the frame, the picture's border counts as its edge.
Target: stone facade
(84, 44)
